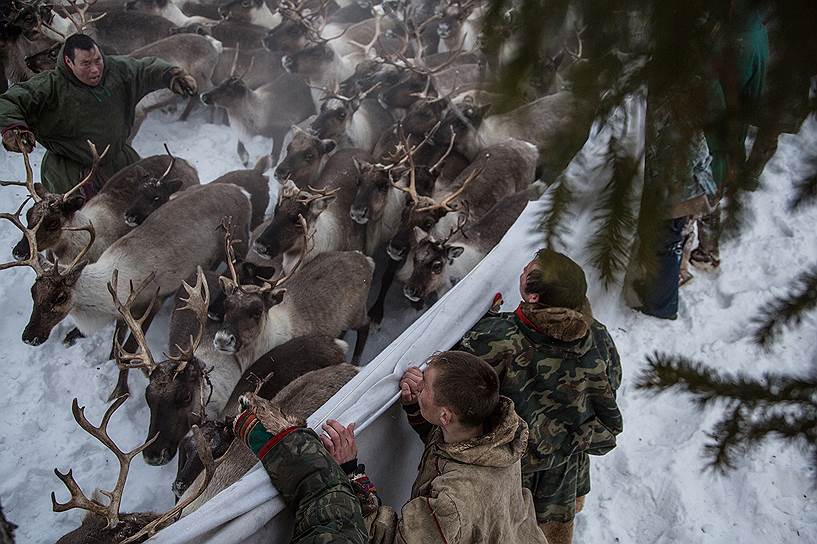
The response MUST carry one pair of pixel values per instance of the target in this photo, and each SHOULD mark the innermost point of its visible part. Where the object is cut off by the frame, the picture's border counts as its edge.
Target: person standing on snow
(88, 97)
(561, 369)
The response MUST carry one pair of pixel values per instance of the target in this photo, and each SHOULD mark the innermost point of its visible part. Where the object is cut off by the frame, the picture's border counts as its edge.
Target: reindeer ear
(227, 285)
(316, 207)
(452, 252)
(419, 235)
(72, 277)
(40, 190)
(326, 146)
(274, 297)
(74, 203)
(173, 185)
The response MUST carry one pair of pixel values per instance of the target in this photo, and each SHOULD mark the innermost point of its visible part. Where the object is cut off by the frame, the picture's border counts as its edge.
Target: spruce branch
(609, 246)
(788, 310)
(805, 190)
(557, 210)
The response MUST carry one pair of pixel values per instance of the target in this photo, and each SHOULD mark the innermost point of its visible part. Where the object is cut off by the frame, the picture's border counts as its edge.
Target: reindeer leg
(376, 311)
(243, 154)
(188, 109)
(278, 143)
(360, 342)
(71, 337)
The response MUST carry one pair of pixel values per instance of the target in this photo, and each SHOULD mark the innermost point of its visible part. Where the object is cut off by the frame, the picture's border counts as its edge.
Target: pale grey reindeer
(166, 248)
(434, 265)
(269, 110)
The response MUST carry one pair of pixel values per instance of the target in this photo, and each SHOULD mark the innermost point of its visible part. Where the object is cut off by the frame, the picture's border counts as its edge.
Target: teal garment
(749, 44)
(63, 113)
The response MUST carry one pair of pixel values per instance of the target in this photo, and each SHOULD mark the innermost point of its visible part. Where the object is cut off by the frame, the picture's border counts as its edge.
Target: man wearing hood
(561, 369)
(468, 490)
(88, 97)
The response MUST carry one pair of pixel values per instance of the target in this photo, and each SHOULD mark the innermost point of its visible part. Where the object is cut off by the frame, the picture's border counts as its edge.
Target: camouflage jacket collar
(504, 443)
(562, 328)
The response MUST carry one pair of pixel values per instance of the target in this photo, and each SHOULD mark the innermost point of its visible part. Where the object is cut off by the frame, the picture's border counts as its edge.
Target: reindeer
(351, 122)
(459, 25)
(295, 402)
(275, 370)
(229, 33)
(167, 9)
(305, 159)
(249, 12)
(497, 172)
(326, 212)
(269, 110)
(261, 66)
(144, 253)
(104, 522)
(61, 216)
(319, 66)
(327, 296)
(18, 40)
(434, 265)
(154, 193)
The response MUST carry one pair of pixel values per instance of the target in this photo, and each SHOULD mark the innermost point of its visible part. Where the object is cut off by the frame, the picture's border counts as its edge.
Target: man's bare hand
(339, 441)
(410, 385)
(19, 139)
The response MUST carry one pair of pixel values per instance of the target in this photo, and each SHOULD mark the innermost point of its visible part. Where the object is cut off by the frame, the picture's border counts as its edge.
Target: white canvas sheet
(250, 511)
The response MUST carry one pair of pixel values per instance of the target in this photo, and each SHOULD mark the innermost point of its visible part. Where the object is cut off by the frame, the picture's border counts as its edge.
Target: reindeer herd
(385, 154)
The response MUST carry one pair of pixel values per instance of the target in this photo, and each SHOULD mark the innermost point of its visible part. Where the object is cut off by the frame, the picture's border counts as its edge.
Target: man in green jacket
(561, 369)
(88, 97)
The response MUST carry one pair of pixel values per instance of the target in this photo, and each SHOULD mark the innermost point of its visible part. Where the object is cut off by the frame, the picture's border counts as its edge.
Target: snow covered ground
(650, 489)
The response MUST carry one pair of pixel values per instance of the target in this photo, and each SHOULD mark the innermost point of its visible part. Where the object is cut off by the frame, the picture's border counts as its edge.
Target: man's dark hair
(558, 280)
(77, 41)
(466, 384)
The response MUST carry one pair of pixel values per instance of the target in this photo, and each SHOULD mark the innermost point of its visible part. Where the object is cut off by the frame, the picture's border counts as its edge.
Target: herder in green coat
(88, 97)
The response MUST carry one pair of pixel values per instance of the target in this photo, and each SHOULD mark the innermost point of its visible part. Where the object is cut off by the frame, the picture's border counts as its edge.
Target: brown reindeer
(104, 522)
(293, 404)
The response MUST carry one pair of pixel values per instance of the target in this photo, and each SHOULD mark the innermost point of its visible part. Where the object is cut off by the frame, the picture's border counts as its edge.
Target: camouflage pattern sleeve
(316, 489)
(488, 341)
(613, 359)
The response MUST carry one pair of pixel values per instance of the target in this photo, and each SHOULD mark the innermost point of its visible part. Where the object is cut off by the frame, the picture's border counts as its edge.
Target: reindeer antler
(210, 465)
(170, 166)
(142, 358)
(369, 46)
(33, 260)
(95, 160)
(198, 300)
(82, 21)
(302, 222)
(29, 182)
(78, 498)
(445, 202)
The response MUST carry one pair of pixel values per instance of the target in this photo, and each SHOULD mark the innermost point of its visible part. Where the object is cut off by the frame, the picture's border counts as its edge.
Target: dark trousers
(658, 288)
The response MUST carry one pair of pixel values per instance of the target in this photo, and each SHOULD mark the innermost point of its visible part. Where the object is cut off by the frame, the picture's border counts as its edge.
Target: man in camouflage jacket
(561, 369)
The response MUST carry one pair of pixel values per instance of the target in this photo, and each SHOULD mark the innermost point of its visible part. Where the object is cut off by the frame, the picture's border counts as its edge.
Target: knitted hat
(558, 280)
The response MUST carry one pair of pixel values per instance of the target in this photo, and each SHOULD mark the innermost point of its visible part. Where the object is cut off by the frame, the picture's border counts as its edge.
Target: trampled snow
(651, 488)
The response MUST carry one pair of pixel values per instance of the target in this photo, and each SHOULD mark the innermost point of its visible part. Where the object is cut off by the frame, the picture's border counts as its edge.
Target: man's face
(87, 66)
(523, 279)
(428, 408)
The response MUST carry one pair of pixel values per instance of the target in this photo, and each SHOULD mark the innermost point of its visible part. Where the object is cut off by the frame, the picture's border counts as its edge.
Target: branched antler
(445, 203)
(81, 21)
(95, 160)
(210, 466)
(142, 358)
(197, 301)
(78, 499)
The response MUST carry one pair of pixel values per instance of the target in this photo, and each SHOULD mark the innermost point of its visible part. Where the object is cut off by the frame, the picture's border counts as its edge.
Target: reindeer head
(451, 18)
(243, 11)
(246, 306)
(404, 92)
(335, 116)
(152, 7)
(423, 116)
(429, 259)
(53, 297)
(232, 90)
(373, 186)
(52, 211)
(293, 221)
(44, 60)
(201, 29)
(297, 31)
(373, 72)
(305, 156)
(176, 391)
(151, 192)
(311, 61)
(218, 434)
(105, 523)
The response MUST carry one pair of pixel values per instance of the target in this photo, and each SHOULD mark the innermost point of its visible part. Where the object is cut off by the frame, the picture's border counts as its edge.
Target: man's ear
(533, 298)
(446, 416)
